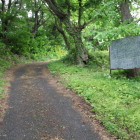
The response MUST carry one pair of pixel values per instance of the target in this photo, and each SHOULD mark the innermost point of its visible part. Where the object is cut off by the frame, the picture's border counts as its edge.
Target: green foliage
(19, 41)
(98, 60)
(70, 57)
(3, 49)
(115, 99)
(32, 34)
(120, 32)
(90, 3)
(7, 60)
(1, 81)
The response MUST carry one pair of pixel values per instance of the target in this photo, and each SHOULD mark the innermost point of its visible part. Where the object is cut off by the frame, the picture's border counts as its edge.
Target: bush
(99, 59)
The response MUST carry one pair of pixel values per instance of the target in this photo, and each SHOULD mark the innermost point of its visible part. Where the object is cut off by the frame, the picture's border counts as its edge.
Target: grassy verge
(7, 61)
(115, 99)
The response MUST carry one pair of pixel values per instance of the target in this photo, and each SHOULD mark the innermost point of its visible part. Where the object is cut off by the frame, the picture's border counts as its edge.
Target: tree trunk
(125, 11)
(5, 19)
(74, 32)
(134, 72)
(126, 15)
(35, 27)
(81, 51)
(4, 23)
(60, 30)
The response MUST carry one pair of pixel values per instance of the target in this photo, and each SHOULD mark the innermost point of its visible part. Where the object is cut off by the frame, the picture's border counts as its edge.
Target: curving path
(38, 111)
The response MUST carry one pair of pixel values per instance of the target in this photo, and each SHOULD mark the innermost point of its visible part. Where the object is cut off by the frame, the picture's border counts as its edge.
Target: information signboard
(125, 53)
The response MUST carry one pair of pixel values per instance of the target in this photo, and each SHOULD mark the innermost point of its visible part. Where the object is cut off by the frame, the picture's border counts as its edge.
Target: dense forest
(34, 28)
(78, 33)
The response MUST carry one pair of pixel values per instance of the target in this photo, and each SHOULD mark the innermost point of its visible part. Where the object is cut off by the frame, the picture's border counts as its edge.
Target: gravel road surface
(38, 111)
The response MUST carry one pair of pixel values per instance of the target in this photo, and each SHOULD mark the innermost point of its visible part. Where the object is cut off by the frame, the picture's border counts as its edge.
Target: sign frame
(125, 53)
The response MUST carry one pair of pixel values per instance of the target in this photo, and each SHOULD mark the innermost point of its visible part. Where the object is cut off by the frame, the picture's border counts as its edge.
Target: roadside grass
(3, 65)
(1, 84)
(115, 98)
(7, 61)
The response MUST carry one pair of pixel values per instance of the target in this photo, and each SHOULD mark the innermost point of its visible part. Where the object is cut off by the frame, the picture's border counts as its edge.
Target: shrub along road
(39, 111)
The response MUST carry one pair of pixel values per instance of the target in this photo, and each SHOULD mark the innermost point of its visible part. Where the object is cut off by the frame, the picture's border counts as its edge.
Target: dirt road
(39, 111)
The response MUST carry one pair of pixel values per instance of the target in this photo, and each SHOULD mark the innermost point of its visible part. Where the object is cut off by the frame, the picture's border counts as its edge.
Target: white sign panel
(125, 53)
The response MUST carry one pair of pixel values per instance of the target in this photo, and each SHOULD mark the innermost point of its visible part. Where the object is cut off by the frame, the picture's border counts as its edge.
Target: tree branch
(87, 23)
(68, 3)
(3, 5)
(59, 13)
(9, 5)
(79, 13)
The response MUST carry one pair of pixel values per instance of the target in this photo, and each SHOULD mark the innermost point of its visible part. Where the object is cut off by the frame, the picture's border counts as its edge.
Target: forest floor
(38, 107)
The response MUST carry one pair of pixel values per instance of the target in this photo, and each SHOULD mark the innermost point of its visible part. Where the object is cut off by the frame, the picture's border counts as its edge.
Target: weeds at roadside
(115, 99)
(6, 61)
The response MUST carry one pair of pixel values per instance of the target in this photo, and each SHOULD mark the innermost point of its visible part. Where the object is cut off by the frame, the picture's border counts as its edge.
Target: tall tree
(125, 11)
(72, 15)
(37, 16)
(8, 14)
(61, 30)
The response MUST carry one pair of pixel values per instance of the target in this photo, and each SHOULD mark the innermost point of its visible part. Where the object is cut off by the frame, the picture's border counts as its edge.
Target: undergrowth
(115, 98)
(6, 61)
(48, 53)
(7, 58)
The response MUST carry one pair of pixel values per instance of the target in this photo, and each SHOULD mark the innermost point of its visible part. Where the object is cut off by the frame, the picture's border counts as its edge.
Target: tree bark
(60, 29)
(4, 23)
(125, 11)
(36, 19)
(74, 32)
(3, 5)
(81, 51)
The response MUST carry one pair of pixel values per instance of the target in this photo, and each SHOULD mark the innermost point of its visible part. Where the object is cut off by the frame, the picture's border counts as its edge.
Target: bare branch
(60, 14)
(87, 23)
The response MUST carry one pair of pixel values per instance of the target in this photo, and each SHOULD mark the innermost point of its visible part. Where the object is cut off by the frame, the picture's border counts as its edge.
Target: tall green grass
(1, 84)
(4, 63)
(7, 60)
(115, 98)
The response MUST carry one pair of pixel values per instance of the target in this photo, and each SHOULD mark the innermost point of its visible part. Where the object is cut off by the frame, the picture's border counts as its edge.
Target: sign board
(125, 53)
